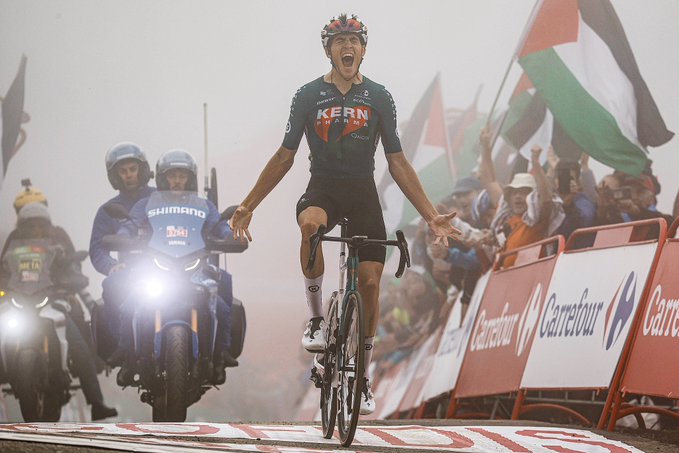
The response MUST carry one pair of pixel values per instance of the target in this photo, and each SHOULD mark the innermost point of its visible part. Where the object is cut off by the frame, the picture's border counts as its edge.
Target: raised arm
(486, 169)
(544, 188)
(277, 167)
(407, 180)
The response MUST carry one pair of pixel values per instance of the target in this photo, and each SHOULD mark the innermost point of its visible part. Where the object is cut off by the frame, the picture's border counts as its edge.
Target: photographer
(580, 211)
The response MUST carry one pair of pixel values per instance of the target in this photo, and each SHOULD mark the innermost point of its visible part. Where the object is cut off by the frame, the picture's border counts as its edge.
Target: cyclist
(344, 114)
(176, 171)
(34, 222)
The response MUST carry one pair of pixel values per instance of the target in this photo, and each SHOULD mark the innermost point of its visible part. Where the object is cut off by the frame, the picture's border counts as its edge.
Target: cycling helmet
(121, 152)
(176, 158)
(29, 195)
(344, 24)
(33, 211)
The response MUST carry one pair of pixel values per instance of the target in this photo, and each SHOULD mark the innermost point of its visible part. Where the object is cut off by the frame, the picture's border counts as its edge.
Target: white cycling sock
(369, 345)
(314, 298)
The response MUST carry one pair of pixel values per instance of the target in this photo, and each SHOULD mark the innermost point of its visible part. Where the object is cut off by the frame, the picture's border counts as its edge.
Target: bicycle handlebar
(358, 242)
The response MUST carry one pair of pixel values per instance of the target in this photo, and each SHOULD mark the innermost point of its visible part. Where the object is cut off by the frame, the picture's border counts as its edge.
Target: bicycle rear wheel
(328, 384)
(351, 355)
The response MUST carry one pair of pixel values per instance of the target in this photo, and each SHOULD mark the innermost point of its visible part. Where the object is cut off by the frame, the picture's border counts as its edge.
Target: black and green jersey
(342, 130)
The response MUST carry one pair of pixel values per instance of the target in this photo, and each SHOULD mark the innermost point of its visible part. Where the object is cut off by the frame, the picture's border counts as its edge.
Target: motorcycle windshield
(29, 262)
(177, 220)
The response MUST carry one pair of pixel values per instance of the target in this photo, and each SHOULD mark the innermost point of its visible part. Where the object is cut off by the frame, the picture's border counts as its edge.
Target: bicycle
(340, 370)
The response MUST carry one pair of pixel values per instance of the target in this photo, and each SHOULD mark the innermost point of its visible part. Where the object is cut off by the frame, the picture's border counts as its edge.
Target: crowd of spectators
(554, 197)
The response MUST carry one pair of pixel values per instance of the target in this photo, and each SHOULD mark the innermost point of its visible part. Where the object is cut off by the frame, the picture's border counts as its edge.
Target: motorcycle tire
(36, 403)
(177, 352)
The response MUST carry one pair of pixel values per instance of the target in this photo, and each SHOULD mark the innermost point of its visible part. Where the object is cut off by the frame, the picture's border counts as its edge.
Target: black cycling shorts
(353, 198)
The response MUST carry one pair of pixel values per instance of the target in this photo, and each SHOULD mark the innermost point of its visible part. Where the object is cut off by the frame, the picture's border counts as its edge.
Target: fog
(101, 72)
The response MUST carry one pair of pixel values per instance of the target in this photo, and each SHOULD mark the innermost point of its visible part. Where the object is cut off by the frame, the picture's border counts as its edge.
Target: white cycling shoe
(313, 339)
(367, 398)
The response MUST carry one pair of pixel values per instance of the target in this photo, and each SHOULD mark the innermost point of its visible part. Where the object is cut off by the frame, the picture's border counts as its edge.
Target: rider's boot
(367, 398)
(101, 411)
(223, 360)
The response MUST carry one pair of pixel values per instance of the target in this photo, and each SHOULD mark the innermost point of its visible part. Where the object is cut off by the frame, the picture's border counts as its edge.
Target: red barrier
(506, 322)
(594, 298)
(653, 364)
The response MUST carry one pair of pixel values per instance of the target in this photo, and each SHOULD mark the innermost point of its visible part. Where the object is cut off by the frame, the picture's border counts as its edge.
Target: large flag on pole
(12, 114)
(425, 144)
(578, 58)
(529, 122)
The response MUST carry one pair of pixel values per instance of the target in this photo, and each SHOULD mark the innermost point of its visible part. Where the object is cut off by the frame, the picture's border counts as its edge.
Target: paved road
(419, 435)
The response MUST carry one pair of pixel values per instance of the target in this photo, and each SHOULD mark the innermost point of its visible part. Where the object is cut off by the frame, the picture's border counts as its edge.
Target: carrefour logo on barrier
(528, 321)
(494, 332)
(567, 320)
(662, 315)
(620, 310)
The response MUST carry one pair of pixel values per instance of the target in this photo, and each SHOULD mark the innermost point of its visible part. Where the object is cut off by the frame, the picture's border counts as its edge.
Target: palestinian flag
(578, 58)
(12, 115)
(425, 144)
(529, 122)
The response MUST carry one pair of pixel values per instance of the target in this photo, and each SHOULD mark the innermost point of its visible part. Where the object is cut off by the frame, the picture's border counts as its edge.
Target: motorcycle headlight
(153, 288)
(162, 264)
(13, 323)
(192, 265)
(43, 303)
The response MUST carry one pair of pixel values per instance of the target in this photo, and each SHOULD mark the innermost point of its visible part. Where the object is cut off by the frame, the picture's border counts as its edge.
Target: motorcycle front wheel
(172, 406)
(36, 403)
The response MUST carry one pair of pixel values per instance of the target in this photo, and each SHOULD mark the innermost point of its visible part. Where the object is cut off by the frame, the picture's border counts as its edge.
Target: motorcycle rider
(32, 194)
(34, 222)
(176, 171)
(129, 173)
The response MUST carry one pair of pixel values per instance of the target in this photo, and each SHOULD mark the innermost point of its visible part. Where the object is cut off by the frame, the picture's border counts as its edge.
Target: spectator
(579, 210)
(527, 210)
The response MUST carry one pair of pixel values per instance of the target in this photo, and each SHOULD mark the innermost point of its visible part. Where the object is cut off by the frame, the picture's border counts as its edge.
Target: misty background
(101, 72)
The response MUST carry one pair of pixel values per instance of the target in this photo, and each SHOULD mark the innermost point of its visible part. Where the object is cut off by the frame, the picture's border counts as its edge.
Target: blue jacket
(213, 226)
(105, 224)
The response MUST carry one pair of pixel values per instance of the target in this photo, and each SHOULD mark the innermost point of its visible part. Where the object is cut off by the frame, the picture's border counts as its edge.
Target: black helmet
(121, 152)
(176, 158)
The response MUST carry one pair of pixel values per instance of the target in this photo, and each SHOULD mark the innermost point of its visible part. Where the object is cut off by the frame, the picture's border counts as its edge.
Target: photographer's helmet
(344, 24)
(176, 158)
(125, 151)
(29, 195)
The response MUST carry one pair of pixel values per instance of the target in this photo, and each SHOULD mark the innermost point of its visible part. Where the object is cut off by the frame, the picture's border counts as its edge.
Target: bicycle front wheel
(351, 360)
(328, 383)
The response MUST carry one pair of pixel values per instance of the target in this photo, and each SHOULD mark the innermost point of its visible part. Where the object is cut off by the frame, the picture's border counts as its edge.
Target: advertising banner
(501, 339)
(586, 317)
(653, 365)
(413, 396)
(452, 346)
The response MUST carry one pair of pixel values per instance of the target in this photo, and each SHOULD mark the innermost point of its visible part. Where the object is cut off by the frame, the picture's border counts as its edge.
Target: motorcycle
(174, 298)
(33, 345)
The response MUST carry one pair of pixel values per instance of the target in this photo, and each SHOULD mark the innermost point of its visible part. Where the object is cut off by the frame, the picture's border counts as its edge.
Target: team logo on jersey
(353, 118)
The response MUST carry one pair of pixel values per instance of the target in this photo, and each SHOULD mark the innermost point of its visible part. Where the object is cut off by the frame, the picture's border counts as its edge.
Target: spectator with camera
(579, 209)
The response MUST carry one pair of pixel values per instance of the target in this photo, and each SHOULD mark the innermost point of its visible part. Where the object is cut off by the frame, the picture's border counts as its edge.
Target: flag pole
(522, 40)
(207, 177)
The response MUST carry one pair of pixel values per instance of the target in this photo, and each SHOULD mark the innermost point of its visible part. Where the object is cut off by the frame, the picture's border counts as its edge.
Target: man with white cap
(527, 210)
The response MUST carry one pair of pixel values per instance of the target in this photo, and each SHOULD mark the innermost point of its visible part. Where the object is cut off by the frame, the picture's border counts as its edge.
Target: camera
(623, 193)
(564, 177)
